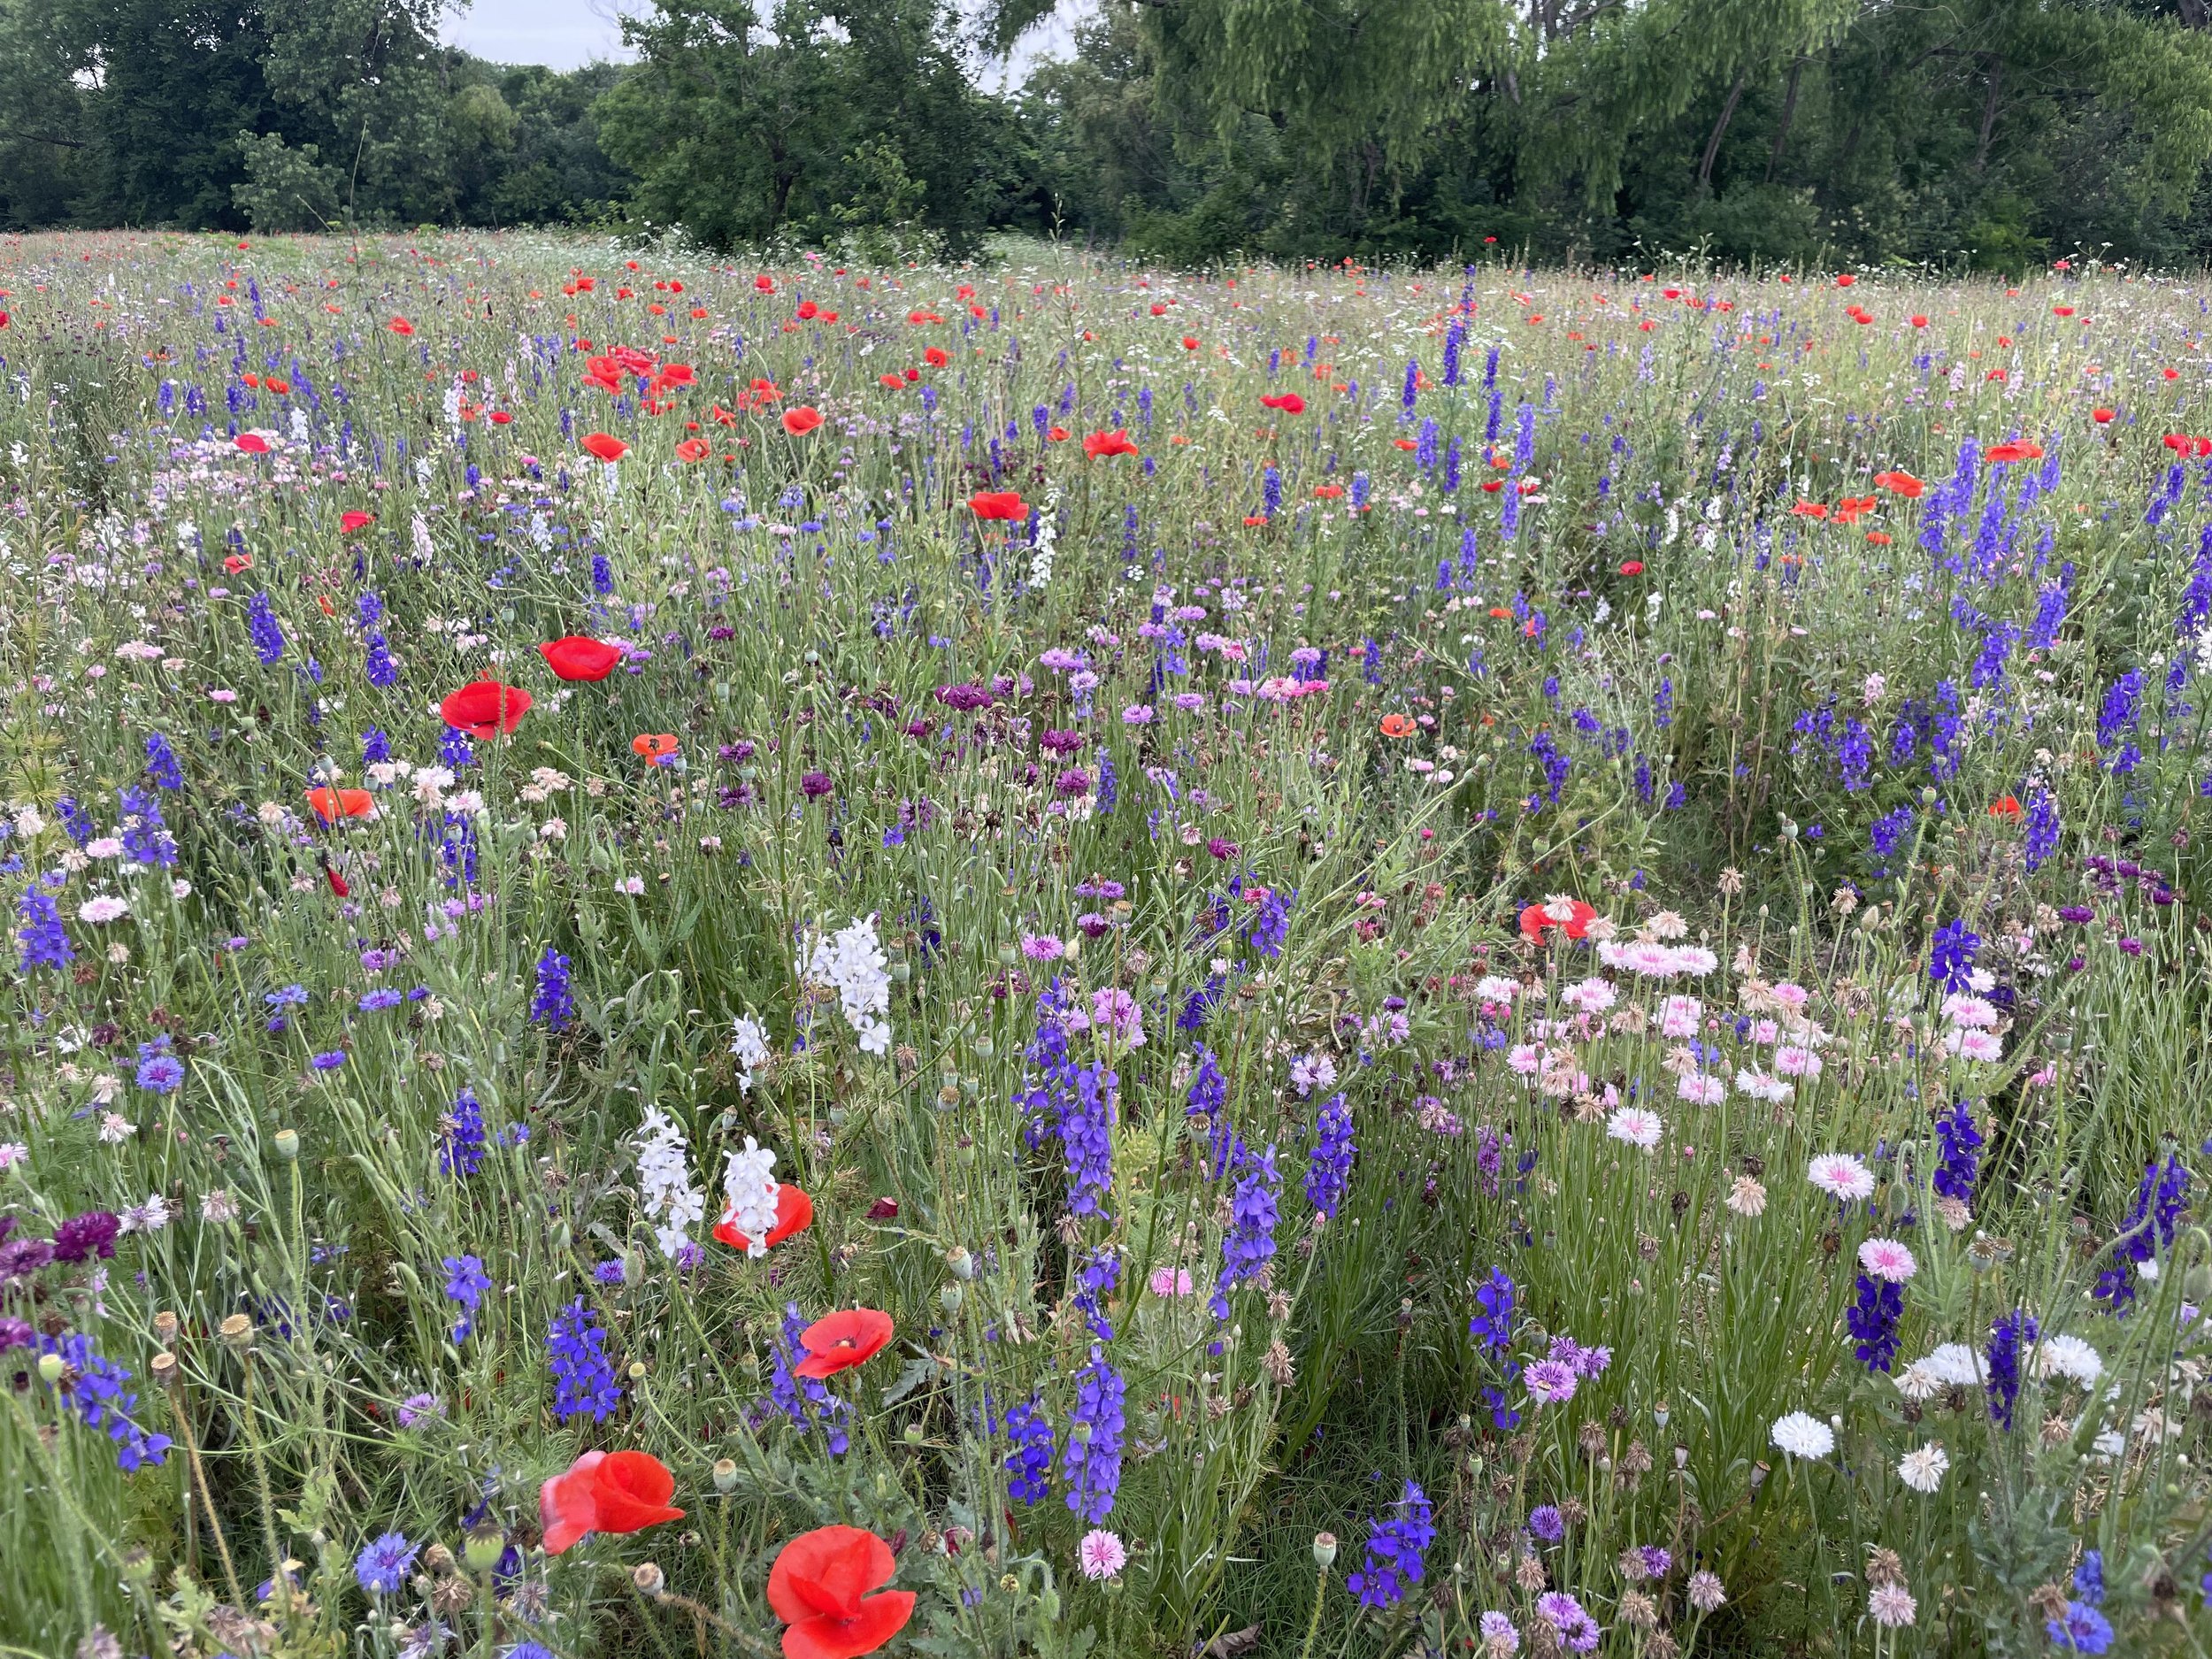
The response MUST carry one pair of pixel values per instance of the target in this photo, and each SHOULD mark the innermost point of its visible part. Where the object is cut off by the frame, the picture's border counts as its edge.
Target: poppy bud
(647, 1577)
(483, 1546)
(912, 1435)
(50, 1367)
(949, 1298)
(961, 1263)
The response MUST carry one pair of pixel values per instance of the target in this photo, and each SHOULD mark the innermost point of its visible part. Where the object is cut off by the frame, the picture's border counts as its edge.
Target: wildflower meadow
(1043, 958)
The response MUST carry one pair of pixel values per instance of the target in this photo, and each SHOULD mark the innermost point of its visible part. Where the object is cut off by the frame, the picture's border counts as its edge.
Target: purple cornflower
(553, 1004)
(465, 1283)
(815, 785)
(328, 1061)
(2083, 1629)
(2148, 1229)
(1392, 1564)
(1249, 1244)
(2007, 1336)
(1576, 1631)
(1546, 1523)
(381, 1567)
(1091, 1461)
(583, 1377)
(159, 1072)
(1029, 1457)
(1951, 956)
(1329, 1167)
(82, 1238)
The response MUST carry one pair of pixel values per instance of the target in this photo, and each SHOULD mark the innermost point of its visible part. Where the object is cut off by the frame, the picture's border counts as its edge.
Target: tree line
(1989, 133)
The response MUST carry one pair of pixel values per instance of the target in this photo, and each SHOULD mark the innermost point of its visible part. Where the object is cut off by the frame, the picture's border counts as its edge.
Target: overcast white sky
(568, 33)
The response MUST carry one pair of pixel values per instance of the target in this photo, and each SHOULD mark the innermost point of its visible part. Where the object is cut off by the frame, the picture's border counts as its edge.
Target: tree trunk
(1989, 113)
(1789, 114)
(1712, 144)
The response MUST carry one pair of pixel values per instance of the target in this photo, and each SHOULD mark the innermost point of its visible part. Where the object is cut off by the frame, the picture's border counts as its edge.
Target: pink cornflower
(1887, 1260)
(1102, 1554)
(1841, 1176)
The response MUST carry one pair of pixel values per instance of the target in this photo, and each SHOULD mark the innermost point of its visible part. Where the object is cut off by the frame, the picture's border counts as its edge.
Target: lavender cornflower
(44, 941)
(553, 1004)
(465, 1283)
(1088, 1111)
(1576, 1629)
(2148, 1230)
(161, 763)
(1029, 1457)
(1392, 1564)
(583, 1377)
(381, 1567)
(1249, 1244)
(2007, 1337)
(1091, 1461)
(1329, 1167)
(261, 627)
(93, 1389)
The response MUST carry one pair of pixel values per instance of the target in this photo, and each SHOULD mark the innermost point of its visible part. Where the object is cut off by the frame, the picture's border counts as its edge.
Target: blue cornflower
(2083, 1629)
(93, 1389)
(583, 1377)
(372, 1001)
(158, 1071)
(329, 1060)
(382, 1566)
(1951, 954)
(2089, 1578)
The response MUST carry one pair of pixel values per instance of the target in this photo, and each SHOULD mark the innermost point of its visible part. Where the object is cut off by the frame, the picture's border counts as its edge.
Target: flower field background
(1045, 957)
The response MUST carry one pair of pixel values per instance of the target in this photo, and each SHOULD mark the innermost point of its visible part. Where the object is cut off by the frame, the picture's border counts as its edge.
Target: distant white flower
(2069, 1357)
(1760, 1086)
(1636, 1124)
(1976, 1044)
(750, 1043)
(115, 1128)
(103, 847)
(1102, 1554)
(1887, 1260)
(749, 1190)
(218, 1206)
(852, 963)
(1748, 1197)
(1923, 1467)
(1493, 988)
(1954, 1365)
(1802, 1435)
(1841, 1176)
(151, 1217)
(672, 1204)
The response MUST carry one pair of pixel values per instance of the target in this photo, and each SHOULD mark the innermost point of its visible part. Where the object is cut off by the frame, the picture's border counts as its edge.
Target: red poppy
(2004, 806)
(1115, 443)
(252, 443)
(337, 883)
(349, 522)
(1846, 280)
(800, 421)
(1917, 321)
(892, 382)
(236, 562)
(1809, 510)
(1900, 484)
(1632, 567)
(653, 745)
(486, 708)
(3, 319)
(1327, 492)
(935, 357)
(1533, 922)
(605, 1492)
(1397, 726)
(401, 325)
(2102, 417)
(794, 1213)
(998, 503)
(763, 283)
(332, 804)
(1057, 434)
(809, 311)
(575, 658)
(2182, 443)
(2021, 451)
(841, 1340)
(818, 1587)
(1190, 342)
(692, 449)
(605, 445)
(1289, 403)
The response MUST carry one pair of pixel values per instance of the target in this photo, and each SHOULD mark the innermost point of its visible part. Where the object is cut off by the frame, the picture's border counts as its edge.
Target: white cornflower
(1891, 1605)
(672, 1202)
(151, 1217)
(750, 1043)
(1748, 1197)
(1923, 1467)
(1954, 1365)
(2069, 1357)
(1701, 1089)
(750, 1189)
(115, 1128)
(1802, 1435)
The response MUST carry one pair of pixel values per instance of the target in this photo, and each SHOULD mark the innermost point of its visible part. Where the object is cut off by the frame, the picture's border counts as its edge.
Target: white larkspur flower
(1887, 1260)
(750, 1189)
(852, 963)
(1841, 1176)
(1800, 1434)
(749, 1042)
(1923, 1467)
(672, 1204)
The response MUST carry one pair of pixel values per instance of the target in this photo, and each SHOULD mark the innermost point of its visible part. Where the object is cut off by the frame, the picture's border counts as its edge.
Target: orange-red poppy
(653, 745)
(794, 1213)
(605, 446)
(401, 325)
(575, 658)
(692, 449)
(1115, 443)
(998, 503)
(252, 443)
(349, 522)
(2004, 806)
(800, 421)
(1398, 725)
(1899, 484)
(1289, 403)
(486, 708)
(1998, 454)
(605, 1492)
(842, 1340)
(1533, 921)
(1632, 567)
(2102, 417)
(935, 355)
(820, 1585)
(332, 804)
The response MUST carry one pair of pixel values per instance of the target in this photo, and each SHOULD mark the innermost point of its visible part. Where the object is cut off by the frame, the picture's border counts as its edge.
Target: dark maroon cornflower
(1093, 925)
(965, 698)
(740, 751)
(2079, 915)
(815, 785)
(721, 631)
(1222, 849)
(1074, 781)
(917, 728)
(1061, 742)
(81, 1238)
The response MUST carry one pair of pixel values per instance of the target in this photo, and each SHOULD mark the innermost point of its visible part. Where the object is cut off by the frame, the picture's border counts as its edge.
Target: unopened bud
(483, 1546)
(648, 1578)
(1325, 1550)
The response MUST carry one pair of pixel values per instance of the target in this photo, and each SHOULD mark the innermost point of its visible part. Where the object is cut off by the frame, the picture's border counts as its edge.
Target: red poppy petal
(880, 1618)
(568, 1504)
(826, 1572)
